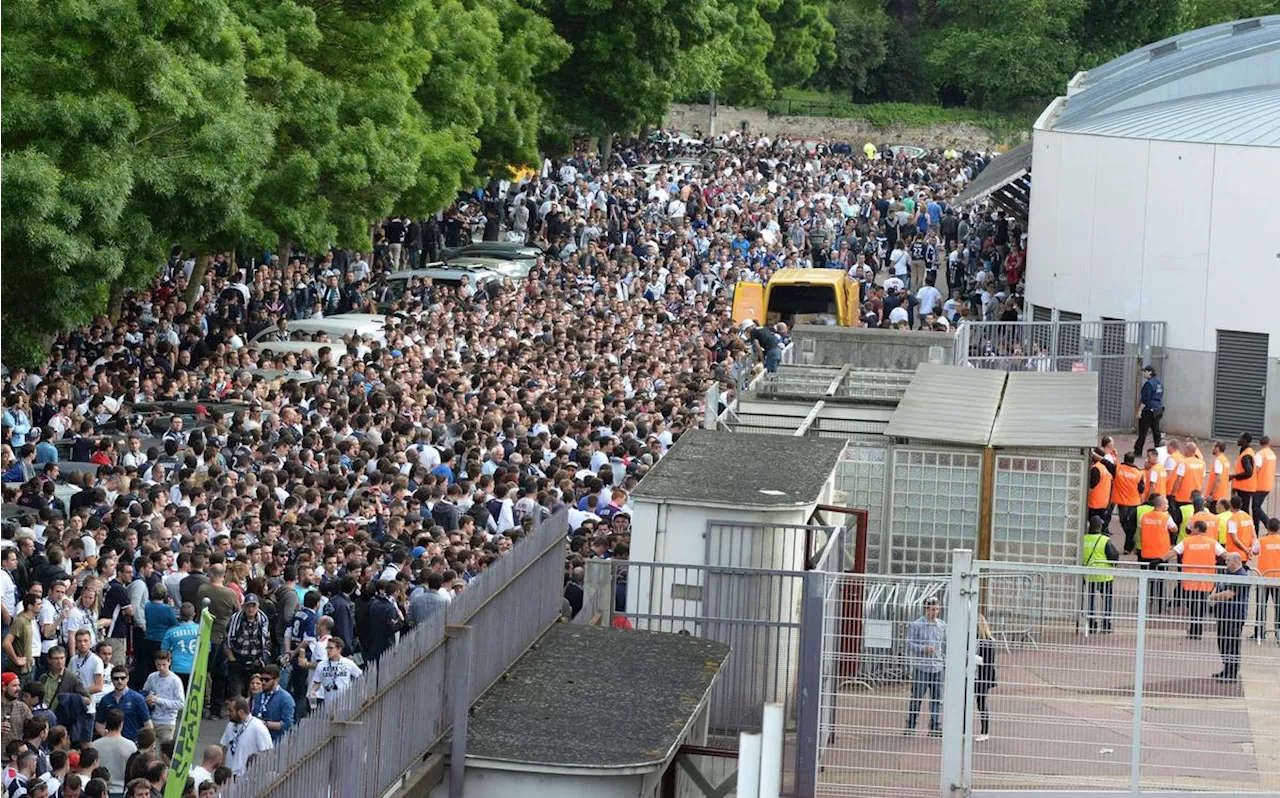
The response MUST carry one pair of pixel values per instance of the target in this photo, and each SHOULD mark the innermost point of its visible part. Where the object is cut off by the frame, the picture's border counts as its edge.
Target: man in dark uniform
(1230, 602)
(1150, 410)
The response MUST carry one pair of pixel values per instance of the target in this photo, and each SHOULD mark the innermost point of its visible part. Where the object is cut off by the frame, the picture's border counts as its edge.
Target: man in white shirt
(335, 674)
(244, 736)
(211, 761)
(929, 297)
(900, 262)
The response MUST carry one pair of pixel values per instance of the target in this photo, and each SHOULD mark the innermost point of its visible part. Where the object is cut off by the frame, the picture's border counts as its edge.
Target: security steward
(1189, 477)
(1264, 480)
(1219, 487)
(1245, 481)
(1150, 410)
(1126, 495)
(1101, 473)
(1269, 567)
(1157, 479)
(1155, 541)
(1230, 603)
(1241, 533)
(1099, 552)
(1199, 554)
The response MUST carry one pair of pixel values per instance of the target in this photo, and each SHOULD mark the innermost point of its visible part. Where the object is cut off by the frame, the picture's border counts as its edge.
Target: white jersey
(243, 740)
(333, 677)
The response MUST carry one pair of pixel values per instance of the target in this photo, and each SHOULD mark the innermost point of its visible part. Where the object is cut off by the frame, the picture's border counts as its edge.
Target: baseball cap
(418, 551)
(9, 676)
(250, 598)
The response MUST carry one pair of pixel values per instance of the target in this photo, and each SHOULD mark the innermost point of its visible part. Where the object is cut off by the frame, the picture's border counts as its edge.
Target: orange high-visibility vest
(1124, 488)
(1269, 556)
(1222, 484)
(1266, 472)
(1245, 484)
(1157, 482)
(1199, 556)
(1100, 494)
(1154, 534)
(1192, 479)
(1246, 533)
(1210, 523)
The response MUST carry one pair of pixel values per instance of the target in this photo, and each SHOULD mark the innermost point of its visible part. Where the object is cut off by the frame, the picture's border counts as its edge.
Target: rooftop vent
(1244, 26)
(1163, 50)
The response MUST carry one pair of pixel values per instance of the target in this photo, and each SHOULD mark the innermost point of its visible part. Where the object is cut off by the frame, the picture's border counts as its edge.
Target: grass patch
(1003, 126)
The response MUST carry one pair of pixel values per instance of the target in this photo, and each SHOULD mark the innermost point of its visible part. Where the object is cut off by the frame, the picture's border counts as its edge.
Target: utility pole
(711, 127)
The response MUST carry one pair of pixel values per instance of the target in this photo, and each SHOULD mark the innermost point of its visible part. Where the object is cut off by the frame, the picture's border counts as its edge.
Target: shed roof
(929, 410)
(1048, 409)
(590, 697)
(725, 468)
(1003, 170)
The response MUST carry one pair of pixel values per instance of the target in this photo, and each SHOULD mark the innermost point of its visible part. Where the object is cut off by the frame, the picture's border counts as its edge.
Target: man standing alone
(1150, 410)
(927, 643)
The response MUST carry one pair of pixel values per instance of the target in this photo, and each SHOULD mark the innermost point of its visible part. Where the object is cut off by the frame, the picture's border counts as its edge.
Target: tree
(626, 61)
(1002, 53)
(860, 46)
(125, 124)
(1201, 13)
(1110, 28)
(803, 41)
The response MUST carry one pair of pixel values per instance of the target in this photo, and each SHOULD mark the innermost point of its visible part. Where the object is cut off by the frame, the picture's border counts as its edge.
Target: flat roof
(591, 697)
(726, 468)
(952, 404)
(1048, 409)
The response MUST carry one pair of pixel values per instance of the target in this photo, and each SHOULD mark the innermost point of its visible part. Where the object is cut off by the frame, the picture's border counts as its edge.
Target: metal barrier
(1155, 699)
(1117, 350)
(406, 701)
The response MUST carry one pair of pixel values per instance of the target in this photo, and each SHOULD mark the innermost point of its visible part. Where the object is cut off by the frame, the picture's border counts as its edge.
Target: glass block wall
(1038, 505)
(934, 508)
(862, 475)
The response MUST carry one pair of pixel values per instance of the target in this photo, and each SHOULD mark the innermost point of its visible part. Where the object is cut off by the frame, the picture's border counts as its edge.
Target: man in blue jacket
(1150, 410)
(385, 621)
(273, 706)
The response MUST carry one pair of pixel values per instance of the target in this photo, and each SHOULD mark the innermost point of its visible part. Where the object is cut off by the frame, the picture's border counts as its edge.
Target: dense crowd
(322, 504)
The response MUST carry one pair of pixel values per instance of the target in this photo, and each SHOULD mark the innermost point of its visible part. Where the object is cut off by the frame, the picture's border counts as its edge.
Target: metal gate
(1117, 350)
(1240, 384)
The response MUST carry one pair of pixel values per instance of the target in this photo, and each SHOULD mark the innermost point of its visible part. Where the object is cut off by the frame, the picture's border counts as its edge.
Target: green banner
(187, 738)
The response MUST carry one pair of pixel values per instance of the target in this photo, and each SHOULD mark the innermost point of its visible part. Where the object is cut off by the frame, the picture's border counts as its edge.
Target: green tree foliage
(1110, 28)
(126, 127)
(860, 45)
(627, 61)
(803, 40)
(1000, 53)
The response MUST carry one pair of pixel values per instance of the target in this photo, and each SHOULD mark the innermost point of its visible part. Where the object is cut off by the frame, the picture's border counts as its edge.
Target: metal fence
(406, 701)
(1144, 684)
(1117, 350)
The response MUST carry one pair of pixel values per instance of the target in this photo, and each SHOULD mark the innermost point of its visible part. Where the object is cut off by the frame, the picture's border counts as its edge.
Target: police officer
(1150, 410)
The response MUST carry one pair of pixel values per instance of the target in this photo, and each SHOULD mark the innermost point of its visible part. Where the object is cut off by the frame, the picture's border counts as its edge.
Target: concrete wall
(865, 348)
(855, 131)
(1161, 231)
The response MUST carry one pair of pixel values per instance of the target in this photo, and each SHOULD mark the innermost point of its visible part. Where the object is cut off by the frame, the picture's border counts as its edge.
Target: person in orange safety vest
(1126, 495)
(1267, 548)
(1200, 553)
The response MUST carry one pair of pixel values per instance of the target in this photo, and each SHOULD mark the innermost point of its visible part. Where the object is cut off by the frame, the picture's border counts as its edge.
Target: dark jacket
(344, 620)
(189, 588)
(384, 622)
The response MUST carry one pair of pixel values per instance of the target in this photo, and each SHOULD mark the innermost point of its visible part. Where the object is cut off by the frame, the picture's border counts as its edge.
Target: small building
(723, 499)
(591, 713)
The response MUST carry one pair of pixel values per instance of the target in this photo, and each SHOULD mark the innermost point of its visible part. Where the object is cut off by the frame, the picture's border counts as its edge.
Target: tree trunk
(115, 301)
(197, 277)
(606, 149)
(285, 250)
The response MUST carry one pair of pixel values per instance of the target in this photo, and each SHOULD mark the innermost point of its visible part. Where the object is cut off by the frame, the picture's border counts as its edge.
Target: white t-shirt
(929, 297)
(7, 595)
(199, 775)
(243, 740)
(899, 314)
(334, 677)
(901, 261)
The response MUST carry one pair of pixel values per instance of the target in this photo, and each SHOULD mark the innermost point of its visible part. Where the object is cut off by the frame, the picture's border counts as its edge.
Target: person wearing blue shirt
(273, 706)
(160, 618)
(130, 702)
(183, 640)
(1150, 411)
(445, 469)
(46, 452)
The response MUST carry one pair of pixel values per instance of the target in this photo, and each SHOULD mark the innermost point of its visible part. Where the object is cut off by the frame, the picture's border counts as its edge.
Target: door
(1240, 383)
(1116, 378)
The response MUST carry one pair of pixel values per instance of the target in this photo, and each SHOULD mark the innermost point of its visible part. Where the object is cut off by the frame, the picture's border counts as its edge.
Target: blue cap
(417, 552)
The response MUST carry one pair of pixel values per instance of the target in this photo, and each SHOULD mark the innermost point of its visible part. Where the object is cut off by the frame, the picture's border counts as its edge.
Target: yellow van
(801, 296)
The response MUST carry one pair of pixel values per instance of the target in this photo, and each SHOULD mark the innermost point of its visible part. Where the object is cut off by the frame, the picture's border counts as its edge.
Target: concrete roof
(590, 698)
(726, 468)
(952, 404)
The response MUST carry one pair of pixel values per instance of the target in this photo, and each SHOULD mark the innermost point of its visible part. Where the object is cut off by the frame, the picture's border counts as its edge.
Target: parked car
(506, 250)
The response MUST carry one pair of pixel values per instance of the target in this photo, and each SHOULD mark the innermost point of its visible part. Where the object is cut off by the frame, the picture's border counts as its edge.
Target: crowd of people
(322, 503)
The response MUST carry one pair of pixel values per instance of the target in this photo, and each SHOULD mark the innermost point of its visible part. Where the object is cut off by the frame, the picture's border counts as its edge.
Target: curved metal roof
(1216, 84)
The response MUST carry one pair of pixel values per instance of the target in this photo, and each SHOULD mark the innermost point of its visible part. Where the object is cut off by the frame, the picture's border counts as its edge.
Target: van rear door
(748, 302)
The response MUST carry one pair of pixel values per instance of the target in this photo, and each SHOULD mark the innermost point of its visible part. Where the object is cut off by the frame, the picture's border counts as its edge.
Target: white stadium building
(1157, 198)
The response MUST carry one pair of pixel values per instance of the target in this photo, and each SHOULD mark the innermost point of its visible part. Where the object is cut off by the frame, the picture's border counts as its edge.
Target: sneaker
(982, 738)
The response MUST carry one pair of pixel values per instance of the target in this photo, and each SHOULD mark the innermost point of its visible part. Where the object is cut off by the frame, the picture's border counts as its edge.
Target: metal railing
(1148, 686)
(363, 741)
(1116, 350)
